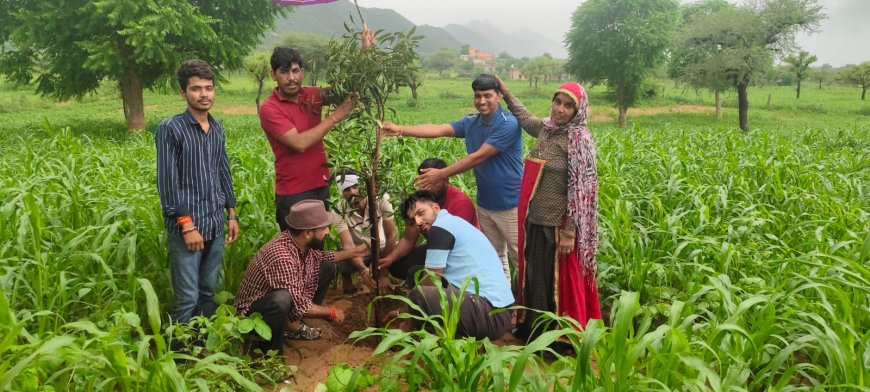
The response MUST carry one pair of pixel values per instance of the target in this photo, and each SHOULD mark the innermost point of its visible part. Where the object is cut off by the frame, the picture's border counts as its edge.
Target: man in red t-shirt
(291, 119)
(406, 259)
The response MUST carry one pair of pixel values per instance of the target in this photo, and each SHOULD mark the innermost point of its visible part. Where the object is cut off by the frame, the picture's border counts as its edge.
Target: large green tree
(620, 42)
(739, 44)
(857, 74)
(799, 65)
(69, 48)
(691, 66)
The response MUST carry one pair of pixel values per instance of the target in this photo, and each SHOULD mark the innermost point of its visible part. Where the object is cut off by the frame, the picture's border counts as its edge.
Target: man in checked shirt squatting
(283, 281)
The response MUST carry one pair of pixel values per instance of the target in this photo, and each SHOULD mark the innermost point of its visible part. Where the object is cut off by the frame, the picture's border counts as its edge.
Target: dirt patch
(313, 358)
(609, 114)
(238, 109)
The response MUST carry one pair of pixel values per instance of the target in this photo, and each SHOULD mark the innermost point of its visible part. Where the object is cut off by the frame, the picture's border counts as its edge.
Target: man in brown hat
(283, 281)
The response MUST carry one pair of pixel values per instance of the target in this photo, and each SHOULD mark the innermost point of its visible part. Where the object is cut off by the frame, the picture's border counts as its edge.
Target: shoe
(563, 348)
(304, 332)
(520, 334)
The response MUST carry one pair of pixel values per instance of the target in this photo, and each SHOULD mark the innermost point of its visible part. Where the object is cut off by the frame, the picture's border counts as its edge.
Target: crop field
(729, 260)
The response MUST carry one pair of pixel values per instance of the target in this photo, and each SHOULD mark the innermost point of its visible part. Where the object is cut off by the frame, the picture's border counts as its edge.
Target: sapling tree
(857, 75)
(799, 64)
(257, 65)
(372, 75)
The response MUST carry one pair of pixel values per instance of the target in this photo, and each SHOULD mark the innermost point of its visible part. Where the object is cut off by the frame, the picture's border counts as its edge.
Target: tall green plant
(435, 358)
(373, 75)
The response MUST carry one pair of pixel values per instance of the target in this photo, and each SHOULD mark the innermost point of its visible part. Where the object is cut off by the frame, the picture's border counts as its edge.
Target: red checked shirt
(279, 265)
(295, 172)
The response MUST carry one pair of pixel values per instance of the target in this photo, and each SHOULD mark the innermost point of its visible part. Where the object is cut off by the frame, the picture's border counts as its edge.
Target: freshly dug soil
(313, 358)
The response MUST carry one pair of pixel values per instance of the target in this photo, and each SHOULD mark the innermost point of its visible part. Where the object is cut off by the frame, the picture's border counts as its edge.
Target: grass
(728, 260)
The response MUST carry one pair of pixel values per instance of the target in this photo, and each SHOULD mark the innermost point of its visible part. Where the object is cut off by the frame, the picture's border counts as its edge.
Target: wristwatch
(233, 217)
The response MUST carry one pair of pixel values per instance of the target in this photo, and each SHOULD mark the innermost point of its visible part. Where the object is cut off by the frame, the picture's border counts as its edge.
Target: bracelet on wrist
(332, 314)
(233, 217)
(188, 230)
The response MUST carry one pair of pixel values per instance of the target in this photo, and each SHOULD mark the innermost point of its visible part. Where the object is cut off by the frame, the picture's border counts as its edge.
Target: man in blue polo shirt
(493, 142)
(456, 252)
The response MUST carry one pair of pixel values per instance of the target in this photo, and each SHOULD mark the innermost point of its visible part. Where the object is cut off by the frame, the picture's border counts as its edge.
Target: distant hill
(490, 37)
(328, 20)
(472, 38)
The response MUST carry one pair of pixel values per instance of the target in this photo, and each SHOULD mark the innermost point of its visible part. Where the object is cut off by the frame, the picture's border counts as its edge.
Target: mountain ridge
(329, 20)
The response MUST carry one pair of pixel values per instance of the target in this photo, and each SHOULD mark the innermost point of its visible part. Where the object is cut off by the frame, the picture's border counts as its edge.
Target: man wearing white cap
(283, 283)
(352, 225)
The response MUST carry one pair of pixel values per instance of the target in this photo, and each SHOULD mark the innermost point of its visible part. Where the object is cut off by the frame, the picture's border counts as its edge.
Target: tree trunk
(375, 245)
(820, 84)
(134, 104)
(259, 93)
(623, 111)
(742, 106)
(863, 91)
(718, 106)
(798, 90)
(372, 194)
(413, 85)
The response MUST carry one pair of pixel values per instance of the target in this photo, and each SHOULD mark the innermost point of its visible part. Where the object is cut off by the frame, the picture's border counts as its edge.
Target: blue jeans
(194, 277)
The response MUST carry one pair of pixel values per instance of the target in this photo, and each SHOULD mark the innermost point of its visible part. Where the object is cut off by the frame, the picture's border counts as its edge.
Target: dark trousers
(347, 269)
(406, 268)
(474, 317)
(284, 202)
(274, 307)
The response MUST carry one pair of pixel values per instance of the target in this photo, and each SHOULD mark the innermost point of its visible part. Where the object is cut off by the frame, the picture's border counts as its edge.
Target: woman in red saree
(558, 217)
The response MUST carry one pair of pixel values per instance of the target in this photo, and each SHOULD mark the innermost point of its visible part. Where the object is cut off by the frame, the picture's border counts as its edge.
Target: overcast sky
(842, 39)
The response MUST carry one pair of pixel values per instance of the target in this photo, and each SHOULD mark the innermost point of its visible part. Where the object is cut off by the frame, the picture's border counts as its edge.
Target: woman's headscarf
(583, 178)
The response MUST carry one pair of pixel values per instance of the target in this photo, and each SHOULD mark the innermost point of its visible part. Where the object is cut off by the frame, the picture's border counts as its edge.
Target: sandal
(304, 332)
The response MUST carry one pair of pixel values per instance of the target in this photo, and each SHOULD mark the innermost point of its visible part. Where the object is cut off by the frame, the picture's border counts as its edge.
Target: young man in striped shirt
(195, 187)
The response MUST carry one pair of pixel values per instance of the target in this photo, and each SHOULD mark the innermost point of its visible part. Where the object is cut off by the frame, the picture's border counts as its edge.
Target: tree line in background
(67, 50)
(624, 44)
